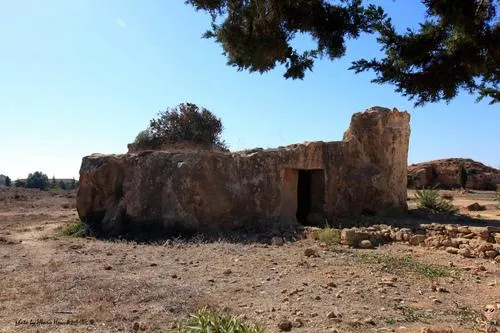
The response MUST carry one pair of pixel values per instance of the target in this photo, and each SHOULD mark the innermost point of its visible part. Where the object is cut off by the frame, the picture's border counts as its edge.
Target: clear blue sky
(85, 76)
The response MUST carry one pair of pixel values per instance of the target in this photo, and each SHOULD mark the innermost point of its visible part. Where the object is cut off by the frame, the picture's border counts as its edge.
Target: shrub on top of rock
(144, 139)
(186, 123)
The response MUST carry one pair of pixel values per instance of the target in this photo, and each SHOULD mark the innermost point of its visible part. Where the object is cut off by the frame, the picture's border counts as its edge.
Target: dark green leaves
(456, 47)
(187, 122)
(256, 35)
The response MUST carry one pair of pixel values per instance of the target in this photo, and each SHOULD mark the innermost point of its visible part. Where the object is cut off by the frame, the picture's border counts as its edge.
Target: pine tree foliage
(456, 47)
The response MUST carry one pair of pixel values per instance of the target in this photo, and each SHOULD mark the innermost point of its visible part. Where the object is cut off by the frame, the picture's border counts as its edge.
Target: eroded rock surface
(363, 174)
(444, 174)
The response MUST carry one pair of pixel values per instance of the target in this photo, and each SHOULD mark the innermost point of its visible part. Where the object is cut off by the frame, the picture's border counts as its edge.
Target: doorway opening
(310, 197)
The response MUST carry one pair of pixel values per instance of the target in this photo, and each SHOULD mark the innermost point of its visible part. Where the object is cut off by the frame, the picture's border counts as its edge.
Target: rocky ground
(52, 283)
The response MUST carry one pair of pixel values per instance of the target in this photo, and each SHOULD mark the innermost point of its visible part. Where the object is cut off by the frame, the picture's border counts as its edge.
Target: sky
(85, 76)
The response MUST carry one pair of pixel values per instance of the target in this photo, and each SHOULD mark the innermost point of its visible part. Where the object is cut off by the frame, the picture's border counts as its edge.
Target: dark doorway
(310, 196)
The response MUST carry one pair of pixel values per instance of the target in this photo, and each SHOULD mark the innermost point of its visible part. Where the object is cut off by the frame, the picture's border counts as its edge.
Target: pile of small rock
(470, 242)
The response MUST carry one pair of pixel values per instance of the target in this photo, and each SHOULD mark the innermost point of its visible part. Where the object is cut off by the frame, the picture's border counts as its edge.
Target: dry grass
(75, 228)
(208, 320)
(404, 265)
(109, 286)
(329, 236)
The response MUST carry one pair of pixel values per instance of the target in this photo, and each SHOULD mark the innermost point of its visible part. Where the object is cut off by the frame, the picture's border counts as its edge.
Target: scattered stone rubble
(468, 241)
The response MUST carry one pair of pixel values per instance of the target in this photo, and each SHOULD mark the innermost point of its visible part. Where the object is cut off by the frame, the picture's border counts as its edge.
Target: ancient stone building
(309, 183)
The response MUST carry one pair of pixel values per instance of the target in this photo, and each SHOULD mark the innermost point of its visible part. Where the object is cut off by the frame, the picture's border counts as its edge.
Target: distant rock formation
(309, 183)
(444, 174)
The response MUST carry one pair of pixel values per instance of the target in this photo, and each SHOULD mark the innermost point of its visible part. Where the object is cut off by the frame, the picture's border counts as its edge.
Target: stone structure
(468, 241)
(307, 183)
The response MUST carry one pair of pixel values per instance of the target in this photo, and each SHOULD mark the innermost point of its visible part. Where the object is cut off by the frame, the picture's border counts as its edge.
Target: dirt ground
(51, 283)
(462, 200)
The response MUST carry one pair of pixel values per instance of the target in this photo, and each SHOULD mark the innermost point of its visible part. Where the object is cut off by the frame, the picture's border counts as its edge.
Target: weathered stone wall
(364, 173)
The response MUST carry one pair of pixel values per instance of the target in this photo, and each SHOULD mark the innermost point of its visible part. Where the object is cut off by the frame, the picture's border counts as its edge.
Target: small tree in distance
(186, 122)
(19, 183)
(37, 180)
(8, 182)
(462, 175)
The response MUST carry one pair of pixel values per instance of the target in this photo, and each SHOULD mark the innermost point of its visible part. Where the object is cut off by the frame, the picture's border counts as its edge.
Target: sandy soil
(51, 283)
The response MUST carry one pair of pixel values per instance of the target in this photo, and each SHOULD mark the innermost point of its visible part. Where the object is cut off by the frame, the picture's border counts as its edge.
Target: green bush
(144, 139)
(435, 174)
(329, 235)
(210, 321)
(37, 180)
(77, 228)
(462, 175)
(410, 180)
(431, 200)
(19, 183)
(186, 122)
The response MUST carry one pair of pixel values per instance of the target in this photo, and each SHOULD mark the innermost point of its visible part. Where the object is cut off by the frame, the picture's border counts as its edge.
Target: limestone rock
(475, 207)
(397, 236)
(452, 250)
(490, 254)
(365, 244)
(334, 314)
(443, 173)
(285, 325)
(311, 233)
(483, 247)
(465, 252)
(463, 230)
(416, 239)
(172, 191)
(434, 241)
(496, 237)
(352, 237)
(447, 242)
(310, 252)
